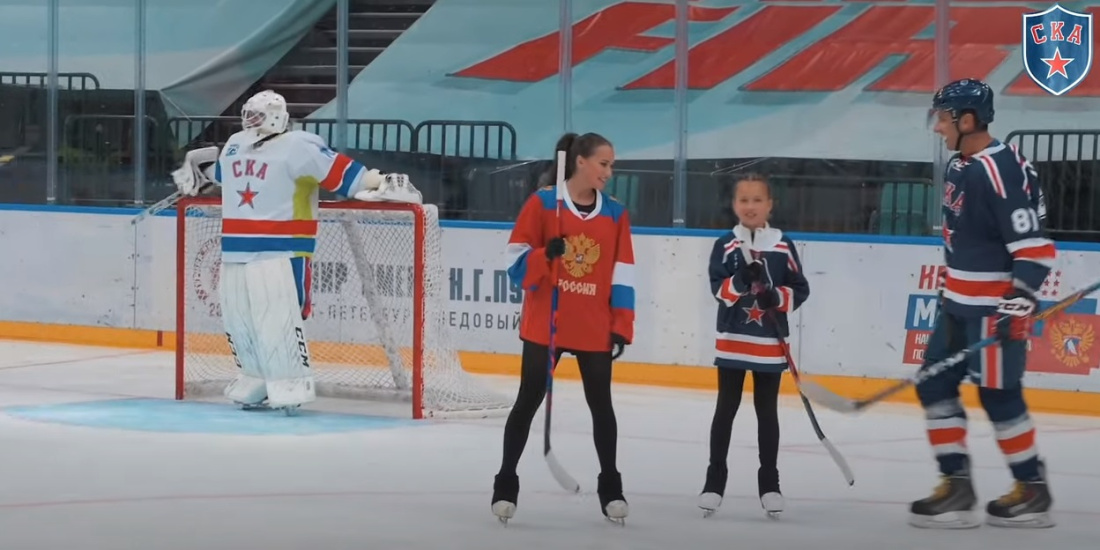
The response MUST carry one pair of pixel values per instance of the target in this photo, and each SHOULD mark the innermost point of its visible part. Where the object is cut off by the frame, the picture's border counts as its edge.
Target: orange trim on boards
(648, 374)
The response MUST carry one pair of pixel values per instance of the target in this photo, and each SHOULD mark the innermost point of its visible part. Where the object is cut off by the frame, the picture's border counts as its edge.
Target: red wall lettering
(981, 40)
(619, 26)
(984, 39)
(719, 58)
(840, 59)
(1090, 86)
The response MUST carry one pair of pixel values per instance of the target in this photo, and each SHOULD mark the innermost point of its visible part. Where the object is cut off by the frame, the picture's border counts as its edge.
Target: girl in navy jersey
(756, 277)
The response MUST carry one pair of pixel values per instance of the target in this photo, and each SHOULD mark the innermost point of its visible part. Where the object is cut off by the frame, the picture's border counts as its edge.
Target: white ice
(427, 485)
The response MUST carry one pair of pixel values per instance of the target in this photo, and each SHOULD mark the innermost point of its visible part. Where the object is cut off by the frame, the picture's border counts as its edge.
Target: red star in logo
(247, 195)
(755, 314)
(1057, 64)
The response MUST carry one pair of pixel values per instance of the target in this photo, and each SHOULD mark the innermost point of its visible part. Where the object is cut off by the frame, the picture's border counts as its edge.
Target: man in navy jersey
(997, 258)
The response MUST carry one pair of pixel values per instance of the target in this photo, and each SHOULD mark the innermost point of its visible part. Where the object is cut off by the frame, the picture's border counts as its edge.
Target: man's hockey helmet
(265, 113)
(966, 95)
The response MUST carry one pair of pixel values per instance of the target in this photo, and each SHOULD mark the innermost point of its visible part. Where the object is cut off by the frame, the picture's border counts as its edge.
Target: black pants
(595, 367)
(765, 397)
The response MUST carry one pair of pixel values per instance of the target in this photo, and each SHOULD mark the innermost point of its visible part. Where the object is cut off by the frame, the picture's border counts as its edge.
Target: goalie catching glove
(388, 187)
(197, 172)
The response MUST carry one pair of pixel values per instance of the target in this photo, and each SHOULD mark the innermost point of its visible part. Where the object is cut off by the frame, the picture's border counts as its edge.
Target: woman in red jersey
(595, 320)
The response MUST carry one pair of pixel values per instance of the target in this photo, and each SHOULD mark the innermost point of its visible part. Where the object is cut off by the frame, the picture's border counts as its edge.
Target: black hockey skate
(1027, 505)
(771, 498)
(505, 496)
(612, 502)
(951, 506)
(713, 489)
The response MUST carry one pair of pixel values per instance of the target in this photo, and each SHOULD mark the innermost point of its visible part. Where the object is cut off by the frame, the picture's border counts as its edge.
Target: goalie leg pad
(249, 387)
(274, 321)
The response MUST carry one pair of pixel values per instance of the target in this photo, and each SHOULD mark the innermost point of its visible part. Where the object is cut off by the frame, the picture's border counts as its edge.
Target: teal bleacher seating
(903, 209)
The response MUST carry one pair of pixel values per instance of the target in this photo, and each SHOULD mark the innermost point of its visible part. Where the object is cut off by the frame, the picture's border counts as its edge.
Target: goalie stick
(563, 478)
(834, 401)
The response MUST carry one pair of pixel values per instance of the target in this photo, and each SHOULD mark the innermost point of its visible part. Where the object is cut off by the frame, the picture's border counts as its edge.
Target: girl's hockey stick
(831, 400)
(833, 452)
(560, 475)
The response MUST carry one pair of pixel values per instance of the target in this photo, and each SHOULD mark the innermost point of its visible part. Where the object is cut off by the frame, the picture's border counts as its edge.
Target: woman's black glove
(618, 345)
(555, 248)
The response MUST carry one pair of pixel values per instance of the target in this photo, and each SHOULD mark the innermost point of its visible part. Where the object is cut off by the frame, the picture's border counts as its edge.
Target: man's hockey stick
(560, 475)
(833, 452)
(832, 400)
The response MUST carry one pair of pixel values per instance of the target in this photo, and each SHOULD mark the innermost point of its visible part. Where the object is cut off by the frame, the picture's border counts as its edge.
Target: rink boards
(85, 275)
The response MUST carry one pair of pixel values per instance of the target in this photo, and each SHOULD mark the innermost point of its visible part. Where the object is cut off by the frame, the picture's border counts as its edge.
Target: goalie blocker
(270, 181)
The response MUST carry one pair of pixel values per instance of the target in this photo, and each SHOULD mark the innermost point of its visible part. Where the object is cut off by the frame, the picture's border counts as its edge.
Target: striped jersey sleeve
(796, 289)
(1013, 194)
(330, 170)
(622, 281)
(525, 253)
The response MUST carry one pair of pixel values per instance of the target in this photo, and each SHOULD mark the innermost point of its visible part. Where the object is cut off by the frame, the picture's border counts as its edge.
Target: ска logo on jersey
(950, 201)
(1057, 48)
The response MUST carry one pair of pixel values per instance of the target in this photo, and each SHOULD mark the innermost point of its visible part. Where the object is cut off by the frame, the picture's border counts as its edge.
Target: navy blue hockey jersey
(993, 230)
(745, 338)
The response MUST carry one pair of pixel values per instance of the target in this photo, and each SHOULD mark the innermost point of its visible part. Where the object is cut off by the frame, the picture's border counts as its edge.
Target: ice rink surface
(96, 455)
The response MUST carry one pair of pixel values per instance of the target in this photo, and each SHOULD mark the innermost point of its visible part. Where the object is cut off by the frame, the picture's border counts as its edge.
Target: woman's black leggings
(595, 367)
(765, 396)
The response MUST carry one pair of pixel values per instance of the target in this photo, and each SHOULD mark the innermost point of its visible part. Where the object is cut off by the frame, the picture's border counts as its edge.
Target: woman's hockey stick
(560, 475)
(831, 400)
(833, 452)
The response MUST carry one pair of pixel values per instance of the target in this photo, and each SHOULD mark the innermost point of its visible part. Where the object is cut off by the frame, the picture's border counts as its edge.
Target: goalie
(270, 178)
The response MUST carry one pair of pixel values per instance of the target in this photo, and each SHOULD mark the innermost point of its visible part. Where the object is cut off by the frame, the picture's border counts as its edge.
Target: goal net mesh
(361, 330)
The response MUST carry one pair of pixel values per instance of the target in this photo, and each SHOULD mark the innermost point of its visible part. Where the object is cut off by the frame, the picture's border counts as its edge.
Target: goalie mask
(265, 113)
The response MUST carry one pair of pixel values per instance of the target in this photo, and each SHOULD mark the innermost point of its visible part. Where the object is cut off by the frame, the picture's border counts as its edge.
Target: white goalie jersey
(270, 186)
(270, 190)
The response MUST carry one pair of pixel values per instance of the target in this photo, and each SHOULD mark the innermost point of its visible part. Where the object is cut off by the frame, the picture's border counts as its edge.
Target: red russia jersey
(596, 290)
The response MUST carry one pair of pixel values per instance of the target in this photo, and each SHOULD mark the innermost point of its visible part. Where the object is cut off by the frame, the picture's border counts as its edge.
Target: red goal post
(377, 326)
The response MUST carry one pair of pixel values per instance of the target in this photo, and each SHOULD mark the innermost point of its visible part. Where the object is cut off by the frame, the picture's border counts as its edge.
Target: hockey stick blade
(845, 469)
(829, 399)
(841, 463)
(560, 475)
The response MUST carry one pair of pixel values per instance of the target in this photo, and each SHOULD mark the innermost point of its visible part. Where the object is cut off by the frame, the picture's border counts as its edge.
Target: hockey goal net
(377, 329)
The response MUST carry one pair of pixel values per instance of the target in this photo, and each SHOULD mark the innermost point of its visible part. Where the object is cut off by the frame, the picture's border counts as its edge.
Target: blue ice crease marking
(164, 415)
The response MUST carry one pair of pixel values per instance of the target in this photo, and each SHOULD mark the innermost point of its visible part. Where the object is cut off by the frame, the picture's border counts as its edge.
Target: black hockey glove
(1015, 311)
(555, 248)
(747, 276)
(618, 345)
(754, 273)
(768, 298)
